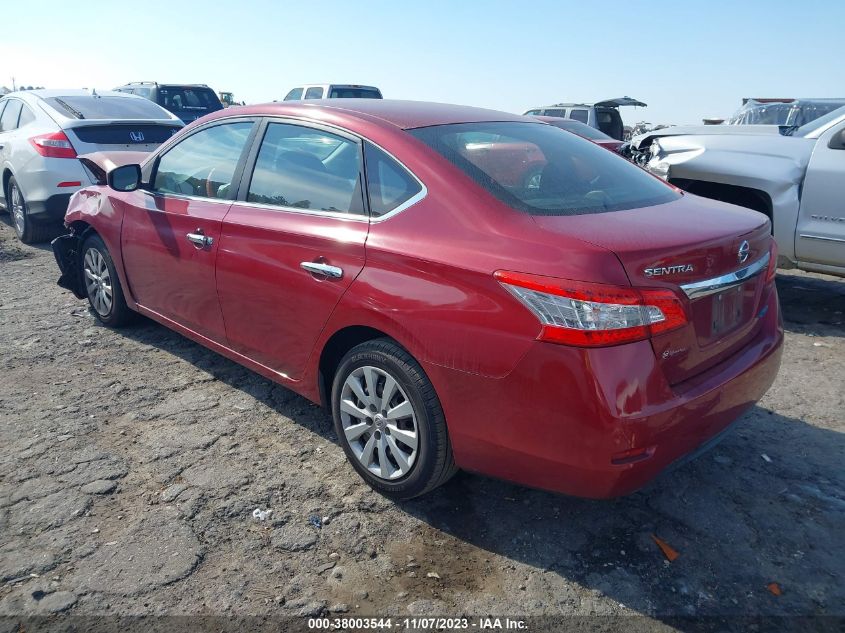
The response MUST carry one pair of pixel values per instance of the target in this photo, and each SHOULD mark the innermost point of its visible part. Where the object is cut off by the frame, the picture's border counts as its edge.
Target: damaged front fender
(66, 249)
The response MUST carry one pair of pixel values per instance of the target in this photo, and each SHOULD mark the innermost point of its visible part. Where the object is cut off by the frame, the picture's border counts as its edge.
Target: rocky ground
(132, 461)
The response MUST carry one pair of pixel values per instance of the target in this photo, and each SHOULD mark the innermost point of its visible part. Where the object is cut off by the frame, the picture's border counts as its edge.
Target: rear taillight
(56, 145)
(772, 270)
(594, 315)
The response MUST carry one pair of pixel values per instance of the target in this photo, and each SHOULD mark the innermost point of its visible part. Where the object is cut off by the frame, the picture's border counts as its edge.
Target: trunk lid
(688, 241)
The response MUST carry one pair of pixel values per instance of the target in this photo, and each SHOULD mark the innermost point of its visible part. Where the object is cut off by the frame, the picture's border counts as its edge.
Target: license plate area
(728, 311)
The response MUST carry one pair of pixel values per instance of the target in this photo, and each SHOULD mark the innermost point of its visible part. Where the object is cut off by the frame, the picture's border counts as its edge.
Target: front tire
(389, 421)
(27, 231)
(102, 285)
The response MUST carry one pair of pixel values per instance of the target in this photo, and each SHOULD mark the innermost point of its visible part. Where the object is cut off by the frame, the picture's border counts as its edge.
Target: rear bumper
(569, 420)
(49, 211)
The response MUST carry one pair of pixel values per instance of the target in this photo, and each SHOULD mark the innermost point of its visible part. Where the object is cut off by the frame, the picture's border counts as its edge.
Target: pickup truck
(794, 175)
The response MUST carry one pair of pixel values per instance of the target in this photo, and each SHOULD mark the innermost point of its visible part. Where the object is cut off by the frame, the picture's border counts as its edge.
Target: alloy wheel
(379, 422)
(18, 212)
(98, 282)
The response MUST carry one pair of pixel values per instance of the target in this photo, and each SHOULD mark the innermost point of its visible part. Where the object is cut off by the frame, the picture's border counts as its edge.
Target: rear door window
(559, 112)
(578, 115)
(9, 119)
(294, 95)
(389, 185)
(305, 168)
(315, 92)
(204, 163)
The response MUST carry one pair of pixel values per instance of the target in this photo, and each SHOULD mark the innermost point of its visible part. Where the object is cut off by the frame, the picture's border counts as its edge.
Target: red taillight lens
(594, 315)
(772, 270)
(56, 145)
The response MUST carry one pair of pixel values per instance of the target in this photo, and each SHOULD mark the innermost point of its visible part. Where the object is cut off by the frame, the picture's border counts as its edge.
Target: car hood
(749, 152)
(642, 141)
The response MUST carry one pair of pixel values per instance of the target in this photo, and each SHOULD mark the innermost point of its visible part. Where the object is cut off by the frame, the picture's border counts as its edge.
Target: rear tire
(27, 231)
(102, 285)
(389, 421)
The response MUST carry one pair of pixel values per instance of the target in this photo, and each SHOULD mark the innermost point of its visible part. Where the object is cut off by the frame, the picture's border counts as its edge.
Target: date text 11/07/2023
(421, 624)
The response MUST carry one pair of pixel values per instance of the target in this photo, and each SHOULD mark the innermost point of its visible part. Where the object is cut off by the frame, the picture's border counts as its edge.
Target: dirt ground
(131, 463)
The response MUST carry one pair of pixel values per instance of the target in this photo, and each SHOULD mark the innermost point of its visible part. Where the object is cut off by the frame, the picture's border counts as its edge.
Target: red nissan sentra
(578, 330)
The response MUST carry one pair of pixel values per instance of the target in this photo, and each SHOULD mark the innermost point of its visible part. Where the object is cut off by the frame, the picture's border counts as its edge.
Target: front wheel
(102, 284)
(390, 422)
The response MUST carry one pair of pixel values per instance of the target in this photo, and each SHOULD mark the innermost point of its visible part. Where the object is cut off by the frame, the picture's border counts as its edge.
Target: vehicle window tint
(354, 93)
(543, 170)
(188, 98)
(114, 107)
(533, 112)
(294, 95)
(314, 93)
(555, 112)
(9, 120)
(305, 168)
(204, 163)
(26, 116)
(389, 185)
(578, 115)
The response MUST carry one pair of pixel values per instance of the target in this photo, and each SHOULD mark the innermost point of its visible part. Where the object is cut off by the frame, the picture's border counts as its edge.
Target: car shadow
(812, 305)
(765, 506)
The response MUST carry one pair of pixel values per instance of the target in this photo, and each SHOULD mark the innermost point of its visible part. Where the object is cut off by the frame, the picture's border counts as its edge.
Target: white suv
(603, 115)
(42, 134)
(333, 91)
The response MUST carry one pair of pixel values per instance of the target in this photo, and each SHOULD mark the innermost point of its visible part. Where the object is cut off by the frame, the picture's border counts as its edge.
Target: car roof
(402, 114)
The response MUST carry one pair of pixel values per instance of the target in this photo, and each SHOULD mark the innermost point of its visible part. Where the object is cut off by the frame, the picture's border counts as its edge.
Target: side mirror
(837, 141)
(125, 178)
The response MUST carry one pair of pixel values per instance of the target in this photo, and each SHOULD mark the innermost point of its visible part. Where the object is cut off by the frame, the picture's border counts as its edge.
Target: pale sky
(687, 60)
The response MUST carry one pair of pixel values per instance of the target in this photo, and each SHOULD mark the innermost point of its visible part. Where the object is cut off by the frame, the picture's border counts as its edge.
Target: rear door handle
(322, 269)
(198, 239)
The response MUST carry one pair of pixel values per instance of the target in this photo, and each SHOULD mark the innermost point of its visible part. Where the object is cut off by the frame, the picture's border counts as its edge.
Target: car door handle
(322, 269)
(198, 239)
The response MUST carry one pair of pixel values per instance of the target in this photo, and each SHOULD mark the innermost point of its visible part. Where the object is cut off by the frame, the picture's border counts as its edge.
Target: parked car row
(463, 288)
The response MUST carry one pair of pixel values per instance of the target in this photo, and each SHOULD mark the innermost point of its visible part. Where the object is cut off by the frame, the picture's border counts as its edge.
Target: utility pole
(13, 84)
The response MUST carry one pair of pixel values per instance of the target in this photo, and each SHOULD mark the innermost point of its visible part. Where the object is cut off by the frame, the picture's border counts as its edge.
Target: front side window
(204, 163)
(578, 115)
(294, 95)
(304, 168)
(389, 185)
(557, 173)
(315, 92)
(9, 120)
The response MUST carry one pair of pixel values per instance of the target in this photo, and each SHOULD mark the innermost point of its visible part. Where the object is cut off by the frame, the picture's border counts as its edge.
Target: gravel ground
(131, 463)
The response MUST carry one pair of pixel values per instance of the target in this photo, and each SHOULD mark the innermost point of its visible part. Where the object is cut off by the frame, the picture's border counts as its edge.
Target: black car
(187, 101)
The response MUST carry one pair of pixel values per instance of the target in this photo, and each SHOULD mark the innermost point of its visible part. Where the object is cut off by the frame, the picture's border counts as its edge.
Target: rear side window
(305, 168)
(389, 185)
(555, 112)
(294, 95)
(94, 107)
(9, 119)
(578, 115)
(188, 98)
(543, 170)
(314, 93)
(204, 163)
(26, 116)
(533, 112)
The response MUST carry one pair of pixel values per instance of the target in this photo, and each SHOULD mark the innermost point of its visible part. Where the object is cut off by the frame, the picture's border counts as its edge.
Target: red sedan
(579, 331)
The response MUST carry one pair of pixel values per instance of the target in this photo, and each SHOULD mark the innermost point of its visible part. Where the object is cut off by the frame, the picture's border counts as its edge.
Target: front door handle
(198, 239)
(322, 269)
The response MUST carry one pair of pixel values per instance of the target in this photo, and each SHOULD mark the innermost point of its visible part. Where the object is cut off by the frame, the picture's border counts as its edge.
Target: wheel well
(733, 194)
(81, 228)
(335, 349)
(6, 175)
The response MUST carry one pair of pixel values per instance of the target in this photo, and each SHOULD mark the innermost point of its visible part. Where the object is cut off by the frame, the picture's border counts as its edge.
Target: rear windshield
(188, 98)
(544, 170)
(581, 129)
(341, 92)
(94, 107)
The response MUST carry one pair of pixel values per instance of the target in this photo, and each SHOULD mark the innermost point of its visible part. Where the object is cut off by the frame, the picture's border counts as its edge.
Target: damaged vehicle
(795, 177)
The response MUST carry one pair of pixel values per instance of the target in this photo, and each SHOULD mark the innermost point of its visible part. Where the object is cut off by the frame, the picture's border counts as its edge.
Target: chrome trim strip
(820, 237)
(707, 287)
